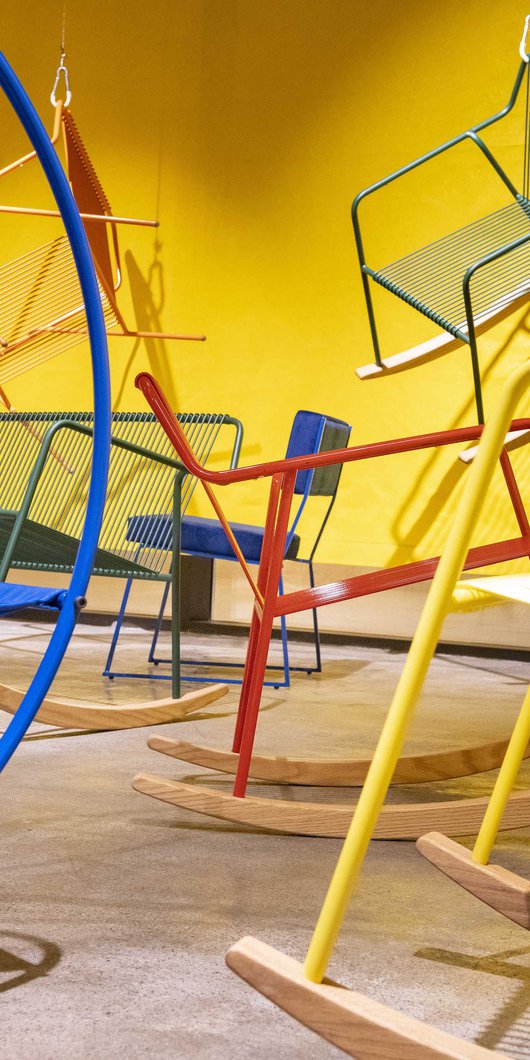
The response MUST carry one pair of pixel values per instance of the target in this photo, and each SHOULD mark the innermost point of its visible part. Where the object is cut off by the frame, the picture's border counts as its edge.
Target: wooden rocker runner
(359, 1026)
(403, 821)
(505, 891)
(82, 714)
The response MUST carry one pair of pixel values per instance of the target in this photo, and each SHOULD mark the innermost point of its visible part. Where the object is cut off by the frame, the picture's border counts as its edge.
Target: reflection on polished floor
(118, 910)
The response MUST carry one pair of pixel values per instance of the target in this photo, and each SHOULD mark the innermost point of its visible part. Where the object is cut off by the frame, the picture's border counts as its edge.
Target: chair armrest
(238, 440)
(162, 410)
(120, 443)
(488, 259)
(468, 134)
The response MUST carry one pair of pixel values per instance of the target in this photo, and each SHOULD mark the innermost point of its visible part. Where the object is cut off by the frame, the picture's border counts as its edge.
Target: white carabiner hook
(61, 69)
(522, 47)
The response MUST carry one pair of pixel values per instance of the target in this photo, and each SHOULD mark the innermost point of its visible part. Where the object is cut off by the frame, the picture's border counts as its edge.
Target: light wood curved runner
(79, 714)
(339, 773)
(505, 891)
(405, 821)
(361, 1027)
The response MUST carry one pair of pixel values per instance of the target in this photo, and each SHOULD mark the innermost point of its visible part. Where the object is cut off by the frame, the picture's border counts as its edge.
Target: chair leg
(175, 593)
(318, 667)
(158, 625)
(117, 629)
(256, 673)
(272, 553)
(285, 646)
(245, 684)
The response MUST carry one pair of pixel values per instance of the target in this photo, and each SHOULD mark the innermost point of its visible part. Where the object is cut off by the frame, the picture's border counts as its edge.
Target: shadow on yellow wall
(148, 298)
(248, 128)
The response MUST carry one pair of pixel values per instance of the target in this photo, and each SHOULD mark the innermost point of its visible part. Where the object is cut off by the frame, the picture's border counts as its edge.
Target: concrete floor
(118, 909)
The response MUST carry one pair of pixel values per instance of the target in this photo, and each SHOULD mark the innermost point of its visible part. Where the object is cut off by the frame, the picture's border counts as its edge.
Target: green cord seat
(431, 278)
(42, 547)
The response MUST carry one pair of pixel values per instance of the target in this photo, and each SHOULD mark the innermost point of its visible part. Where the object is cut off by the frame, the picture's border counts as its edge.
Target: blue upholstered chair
(311, 433)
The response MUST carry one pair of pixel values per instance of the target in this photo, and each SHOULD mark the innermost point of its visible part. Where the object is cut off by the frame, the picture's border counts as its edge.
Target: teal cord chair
(467, 280)
(311, 432)
(146, 546)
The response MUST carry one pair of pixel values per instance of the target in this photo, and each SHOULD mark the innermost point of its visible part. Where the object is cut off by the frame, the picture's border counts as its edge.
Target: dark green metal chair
(471, 278)
(44, 480)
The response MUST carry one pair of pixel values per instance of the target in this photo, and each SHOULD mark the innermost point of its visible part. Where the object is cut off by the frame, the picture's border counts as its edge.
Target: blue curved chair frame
(70, 601)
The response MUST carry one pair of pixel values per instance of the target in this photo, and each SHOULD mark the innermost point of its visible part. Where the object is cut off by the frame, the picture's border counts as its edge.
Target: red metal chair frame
(268, 604)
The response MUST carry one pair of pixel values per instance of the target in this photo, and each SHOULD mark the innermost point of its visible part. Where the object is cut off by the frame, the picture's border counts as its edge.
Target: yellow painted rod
(411, 681)
(503, 785)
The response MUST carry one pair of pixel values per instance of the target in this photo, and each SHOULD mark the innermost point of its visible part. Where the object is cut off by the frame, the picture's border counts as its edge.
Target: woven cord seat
(430, 279)
(39, 293)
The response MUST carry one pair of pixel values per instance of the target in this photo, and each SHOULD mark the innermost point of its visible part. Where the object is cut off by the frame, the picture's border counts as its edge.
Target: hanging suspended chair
(469, 280)
(41, 305)
(68, 602)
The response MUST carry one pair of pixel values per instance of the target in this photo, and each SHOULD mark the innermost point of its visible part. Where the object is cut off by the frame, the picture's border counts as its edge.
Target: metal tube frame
(282, 473)
(472, 135)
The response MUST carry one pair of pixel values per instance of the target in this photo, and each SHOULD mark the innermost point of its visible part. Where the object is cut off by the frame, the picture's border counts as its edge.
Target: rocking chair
(302, 818)
(361, 1027)
(468, 280)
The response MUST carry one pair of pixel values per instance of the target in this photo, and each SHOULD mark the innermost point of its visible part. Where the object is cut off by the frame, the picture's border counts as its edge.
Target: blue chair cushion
(205, 537)
(13, 597)
(305, 437)
(313, 432)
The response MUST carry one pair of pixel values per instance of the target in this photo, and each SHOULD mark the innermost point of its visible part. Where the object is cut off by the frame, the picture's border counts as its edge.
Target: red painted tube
(163, 412)
(393, 577)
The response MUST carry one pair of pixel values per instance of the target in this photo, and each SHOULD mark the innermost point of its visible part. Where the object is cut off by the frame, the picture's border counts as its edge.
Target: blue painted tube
(60, 638)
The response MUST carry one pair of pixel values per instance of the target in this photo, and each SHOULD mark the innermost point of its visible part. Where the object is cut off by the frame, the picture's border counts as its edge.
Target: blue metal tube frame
(170, 583)
(75, 231)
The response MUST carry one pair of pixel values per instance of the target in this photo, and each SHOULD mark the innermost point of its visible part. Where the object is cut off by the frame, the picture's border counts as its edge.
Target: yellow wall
(247, 127)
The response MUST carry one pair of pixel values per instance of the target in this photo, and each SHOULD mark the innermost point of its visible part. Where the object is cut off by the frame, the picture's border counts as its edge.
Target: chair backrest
(141, 481)
(313, 432)
(41, 306)
(90, 197)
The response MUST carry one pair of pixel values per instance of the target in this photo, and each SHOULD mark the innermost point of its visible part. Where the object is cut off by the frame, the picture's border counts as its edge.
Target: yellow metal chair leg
(503, 785)
(411, 681)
